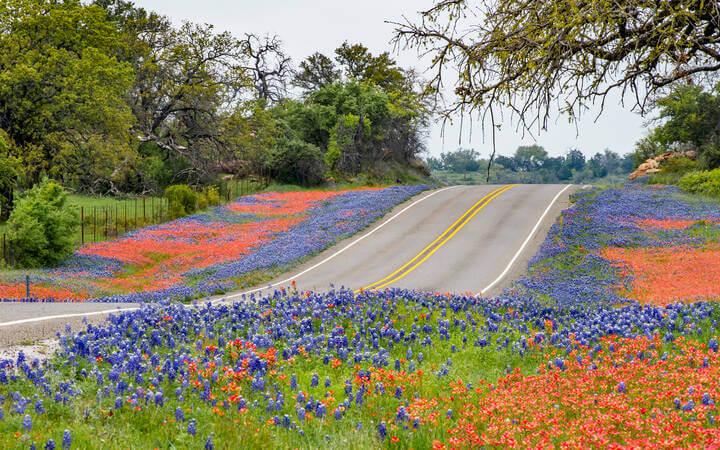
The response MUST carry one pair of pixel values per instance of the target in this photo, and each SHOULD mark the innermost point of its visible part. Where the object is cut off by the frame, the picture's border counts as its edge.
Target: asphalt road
(466, 262)
(457, 239)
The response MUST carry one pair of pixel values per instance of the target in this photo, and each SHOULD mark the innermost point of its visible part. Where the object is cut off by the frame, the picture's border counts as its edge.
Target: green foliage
(42, 226)
(295, 161)
(332, 156)
(679, 165)
(251, 131)
(212, 196)
(672, 170)
(702, 182)
(182, 200)
(209, 196)
(62, 91)
(357, 125)
(461, 160)
(10, 171)
(107, 97)
(690, 120)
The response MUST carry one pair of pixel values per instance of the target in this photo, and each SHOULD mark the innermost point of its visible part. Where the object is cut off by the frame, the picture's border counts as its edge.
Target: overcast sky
(322, 25)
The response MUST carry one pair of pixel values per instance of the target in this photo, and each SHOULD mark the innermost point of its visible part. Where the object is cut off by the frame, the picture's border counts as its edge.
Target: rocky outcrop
(653, 165)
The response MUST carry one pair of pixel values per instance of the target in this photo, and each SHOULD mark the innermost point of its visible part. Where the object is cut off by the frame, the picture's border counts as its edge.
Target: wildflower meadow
(601, 344)
(241, 243)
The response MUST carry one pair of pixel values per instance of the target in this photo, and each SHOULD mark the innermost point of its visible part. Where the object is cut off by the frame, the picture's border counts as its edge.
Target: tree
(9, 175)
(316, 72)
(533, 54)
(250, 132)
(42, 227)
(575, 159)
(530, 157)
(461, 160)
(61, 91)
(434, 163)
(185, 81)
(297, 162)
(597, 165)
(689, 119)
(361, 65)
(270, 68)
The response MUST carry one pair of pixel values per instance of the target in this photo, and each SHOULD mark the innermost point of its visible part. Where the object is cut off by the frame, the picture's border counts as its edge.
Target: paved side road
(456, 239)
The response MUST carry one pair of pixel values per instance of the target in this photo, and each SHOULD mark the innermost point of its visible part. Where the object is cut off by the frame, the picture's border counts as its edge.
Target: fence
(107, 222)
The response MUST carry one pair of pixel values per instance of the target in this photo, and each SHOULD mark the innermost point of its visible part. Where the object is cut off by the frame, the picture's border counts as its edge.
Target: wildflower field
(232, 246)
(595, 346)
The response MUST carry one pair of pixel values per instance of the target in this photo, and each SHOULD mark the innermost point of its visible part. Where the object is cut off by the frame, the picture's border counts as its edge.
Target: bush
(181, 200)
(679, 165)
(296, 162)
(42, 226)
(212, 196)
(702, 182)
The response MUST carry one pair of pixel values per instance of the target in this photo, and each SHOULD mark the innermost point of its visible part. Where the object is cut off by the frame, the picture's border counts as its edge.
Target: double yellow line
(437, 243)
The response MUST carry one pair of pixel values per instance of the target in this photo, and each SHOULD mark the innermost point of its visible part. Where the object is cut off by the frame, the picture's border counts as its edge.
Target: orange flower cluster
(17, 290)
(671, 274)
(664, 224)
(286, 203)
(630, 397)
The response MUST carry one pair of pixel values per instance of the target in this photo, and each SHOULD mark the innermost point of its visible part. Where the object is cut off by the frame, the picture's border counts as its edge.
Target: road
(456, 239)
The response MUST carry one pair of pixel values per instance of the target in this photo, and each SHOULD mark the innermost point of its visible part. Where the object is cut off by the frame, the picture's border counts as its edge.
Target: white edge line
(527, 239)
(223, 299)
(65, 316)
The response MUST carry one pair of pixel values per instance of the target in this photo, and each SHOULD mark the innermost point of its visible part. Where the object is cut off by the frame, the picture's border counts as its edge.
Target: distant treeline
(532, 164)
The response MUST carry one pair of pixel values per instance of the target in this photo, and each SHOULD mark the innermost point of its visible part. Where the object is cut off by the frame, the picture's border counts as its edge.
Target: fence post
(82, 225)
(136, 222)
(3, 249)
(125, 217)
(106, 222)
(27, 286)
(94, 224)
(117, 221)
(144, 212)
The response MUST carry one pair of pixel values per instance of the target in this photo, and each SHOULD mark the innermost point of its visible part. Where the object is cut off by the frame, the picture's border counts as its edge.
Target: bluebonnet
(382, 430)
(66, 440)
(27, 422)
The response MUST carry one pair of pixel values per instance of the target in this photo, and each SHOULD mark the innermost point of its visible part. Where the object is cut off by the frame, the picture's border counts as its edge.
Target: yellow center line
(454, 228)
(433, 242)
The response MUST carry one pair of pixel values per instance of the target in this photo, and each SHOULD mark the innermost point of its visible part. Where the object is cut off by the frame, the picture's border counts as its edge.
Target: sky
(322, 25)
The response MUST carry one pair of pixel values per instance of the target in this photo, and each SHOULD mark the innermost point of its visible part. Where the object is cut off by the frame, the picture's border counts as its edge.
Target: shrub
(296, 162)
(679, 165)
(42, 226)
(705, 182)
(212, 196)
(181, 200)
